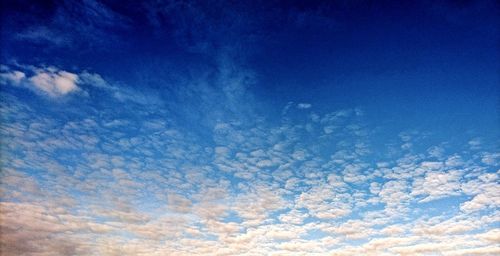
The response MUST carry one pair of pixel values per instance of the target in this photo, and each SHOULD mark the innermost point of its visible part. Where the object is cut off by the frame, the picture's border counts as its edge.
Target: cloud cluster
(49, 81)
(201, 171)
(103, 183)
(55, 83)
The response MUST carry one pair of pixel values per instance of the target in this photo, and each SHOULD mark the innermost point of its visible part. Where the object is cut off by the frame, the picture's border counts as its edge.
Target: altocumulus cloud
(55, 83)
(49, 81)
(202, 138)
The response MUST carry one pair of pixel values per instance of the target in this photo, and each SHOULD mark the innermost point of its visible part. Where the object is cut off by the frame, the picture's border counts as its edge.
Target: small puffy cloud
(436, 151)
(375, 187)
(491, 158)
(299, 155)
(179, 204)
(437, 185)
(482, 201)
(14, 77)
(475, 143)
(325, 203)
(264, 163)
(55, 83)
(431, 165)
(293, 217)
(394, 193)
(485, 193)
(304, 105)
(50, 81)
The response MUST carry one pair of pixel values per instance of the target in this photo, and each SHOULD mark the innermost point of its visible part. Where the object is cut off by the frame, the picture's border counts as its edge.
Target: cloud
(14, 77)
(94, 80)
(325, 203)
(304, 105)
(395, 194)
(206, 173)
(437, 184)
(43, 35)
(66, 24)
(158, 187)
(49, 81)
(178, 203)
(485, 193)
(293, 217)
(55, 83)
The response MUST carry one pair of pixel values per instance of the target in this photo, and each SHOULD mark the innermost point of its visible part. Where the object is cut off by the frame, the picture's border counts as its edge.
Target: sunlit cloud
(202, 138)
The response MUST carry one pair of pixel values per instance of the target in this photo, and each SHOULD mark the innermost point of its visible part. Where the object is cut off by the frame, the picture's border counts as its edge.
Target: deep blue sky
(435, 63)
(249, 127)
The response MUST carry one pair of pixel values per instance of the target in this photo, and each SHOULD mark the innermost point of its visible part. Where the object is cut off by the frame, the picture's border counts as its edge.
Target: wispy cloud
(304, 105)
(83, 24)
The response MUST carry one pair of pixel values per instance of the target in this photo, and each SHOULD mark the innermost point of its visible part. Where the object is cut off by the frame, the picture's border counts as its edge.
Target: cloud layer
(248, 128)
(105, 184)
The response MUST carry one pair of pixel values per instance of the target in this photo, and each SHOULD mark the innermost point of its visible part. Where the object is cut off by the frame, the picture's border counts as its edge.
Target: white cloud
(15, 77)
(178, 203)
(49, 81)
(170, 196)
(325, 203)
(481, 201)
(485, 192)
(437, 184)
(394, 193)
(475, 143)
(293, 217)
(304, 105)
(93, 80)
(491, 158)
(55, 83)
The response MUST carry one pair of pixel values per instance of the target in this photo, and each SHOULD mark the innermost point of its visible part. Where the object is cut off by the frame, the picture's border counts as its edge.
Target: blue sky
(249, 128)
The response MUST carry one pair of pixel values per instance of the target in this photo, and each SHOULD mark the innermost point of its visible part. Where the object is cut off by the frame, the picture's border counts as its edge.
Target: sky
(249, 128)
